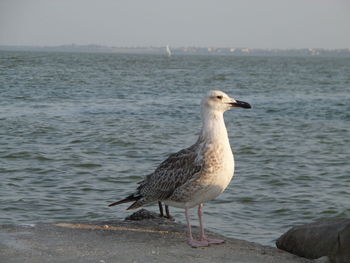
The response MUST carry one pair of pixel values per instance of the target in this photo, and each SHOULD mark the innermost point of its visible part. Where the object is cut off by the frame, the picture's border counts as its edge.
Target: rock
(141, 215)
(329, 239)
(149, 240)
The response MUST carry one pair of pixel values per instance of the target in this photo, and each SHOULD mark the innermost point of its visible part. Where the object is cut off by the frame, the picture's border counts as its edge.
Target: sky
(202, 23)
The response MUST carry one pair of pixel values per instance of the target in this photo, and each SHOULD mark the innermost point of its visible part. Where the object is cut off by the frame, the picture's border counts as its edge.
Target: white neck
(214, 129)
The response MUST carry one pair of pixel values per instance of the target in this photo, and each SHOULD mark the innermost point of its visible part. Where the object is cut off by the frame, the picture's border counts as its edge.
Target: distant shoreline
(310, 52)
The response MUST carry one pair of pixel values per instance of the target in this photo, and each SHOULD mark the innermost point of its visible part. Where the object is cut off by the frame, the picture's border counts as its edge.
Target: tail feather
(128, 199)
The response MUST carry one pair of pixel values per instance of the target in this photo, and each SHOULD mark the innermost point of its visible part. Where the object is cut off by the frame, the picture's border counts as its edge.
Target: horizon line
(163, 46)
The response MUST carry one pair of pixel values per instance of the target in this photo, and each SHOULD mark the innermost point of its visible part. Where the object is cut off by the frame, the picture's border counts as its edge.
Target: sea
(79, 130)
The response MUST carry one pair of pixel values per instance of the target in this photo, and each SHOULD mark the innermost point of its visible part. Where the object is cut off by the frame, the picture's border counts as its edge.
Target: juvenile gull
(196, 174)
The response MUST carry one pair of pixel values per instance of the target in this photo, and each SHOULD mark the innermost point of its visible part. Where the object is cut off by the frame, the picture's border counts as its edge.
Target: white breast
(221, 177)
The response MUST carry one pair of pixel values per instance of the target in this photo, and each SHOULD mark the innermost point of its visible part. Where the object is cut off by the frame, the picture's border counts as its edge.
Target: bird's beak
(240, 104)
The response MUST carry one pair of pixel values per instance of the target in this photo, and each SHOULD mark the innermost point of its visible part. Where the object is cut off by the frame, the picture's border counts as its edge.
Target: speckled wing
(175, 171)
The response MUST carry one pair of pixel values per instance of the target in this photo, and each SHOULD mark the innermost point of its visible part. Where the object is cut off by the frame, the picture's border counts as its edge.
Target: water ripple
(80, 130)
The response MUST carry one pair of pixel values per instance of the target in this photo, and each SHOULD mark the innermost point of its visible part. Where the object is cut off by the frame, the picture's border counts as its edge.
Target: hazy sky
(221, 23)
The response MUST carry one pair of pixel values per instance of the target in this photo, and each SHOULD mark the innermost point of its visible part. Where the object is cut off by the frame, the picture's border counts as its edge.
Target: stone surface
(149, 240)
(142, 214)
(327, 238)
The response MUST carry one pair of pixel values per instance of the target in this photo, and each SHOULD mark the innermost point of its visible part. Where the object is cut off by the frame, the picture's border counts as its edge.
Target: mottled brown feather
(172, 173)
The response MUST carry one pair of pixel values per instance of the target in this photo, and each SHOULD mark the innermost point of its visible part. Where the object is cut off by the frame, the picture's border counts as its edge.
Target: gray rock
(141, 241)
(327, 238)
(141, 215)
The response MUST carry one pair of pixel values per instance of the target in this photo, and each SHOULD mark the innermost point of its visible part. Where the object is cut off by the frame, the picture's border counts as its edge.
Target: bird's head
(219, 101)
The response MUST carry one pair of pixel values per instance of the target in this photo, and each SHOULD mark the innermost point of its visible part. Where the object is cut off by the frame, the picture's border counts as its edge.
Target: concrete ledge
(149, 240)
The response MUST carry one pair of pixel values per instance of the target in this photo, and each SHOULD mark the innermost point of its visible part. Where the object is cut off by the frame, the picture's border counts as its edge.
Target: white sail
(168, 51)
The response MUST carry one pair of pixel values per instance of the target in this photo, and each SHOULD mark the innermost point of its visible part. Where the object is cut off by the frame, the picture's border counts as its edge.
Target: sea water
(79, 130)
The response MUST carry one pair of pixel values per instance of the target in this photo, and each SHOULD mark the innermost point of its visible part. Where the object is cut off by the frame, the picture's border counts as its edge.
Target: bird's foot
(198, 243)
(212, 240)
(171, 218)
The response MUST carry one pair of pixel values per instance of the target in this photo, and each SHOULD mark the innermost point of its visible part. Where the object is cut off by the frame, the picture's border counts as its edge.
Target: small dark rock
(141, 215)
(329, 238)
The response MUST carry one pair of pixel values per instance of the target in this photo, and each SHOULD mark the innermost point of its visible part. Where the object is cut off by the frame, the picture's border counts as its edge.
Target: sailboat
(168, 51)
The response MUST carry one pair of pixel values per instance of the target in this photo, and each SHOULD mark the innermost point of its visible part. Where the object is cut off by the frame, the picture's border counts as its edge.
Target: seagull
(196, 174)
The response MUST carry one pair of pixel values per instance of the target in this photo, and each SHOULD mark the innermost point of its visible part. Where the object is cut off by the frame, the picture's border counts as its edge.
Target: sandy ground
(151, 240)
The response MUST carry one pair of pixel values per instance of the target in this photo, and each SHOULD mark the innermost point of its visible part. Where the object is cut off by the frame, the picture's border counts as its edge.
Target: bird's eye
(219, 97)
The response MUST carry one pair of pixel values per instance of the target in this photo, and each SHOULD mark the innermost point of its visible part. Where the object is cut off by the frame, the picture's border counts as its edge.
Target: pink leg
(202, 235)
(191, 241)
